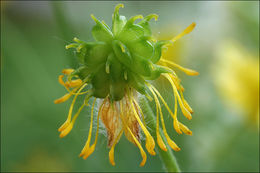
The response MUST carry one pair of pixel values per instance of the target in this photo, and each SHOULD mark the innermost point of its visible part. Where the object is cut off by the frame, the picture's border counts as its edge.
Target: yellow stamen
(67, 71)
(86, 147)
(175, 120)
(67, 122)
(63, 98)
(185, 129)
(169, 140)
(143, 154)
(185, 70)
(174, 116)
(73, 83)
(60, 79)
(66, 131)
(186, 31)
(149, 139)
(185, 112)
(159, 138)
(176, 82)
(93, 146)
(111, 152)
(139, 108)
(185, 103)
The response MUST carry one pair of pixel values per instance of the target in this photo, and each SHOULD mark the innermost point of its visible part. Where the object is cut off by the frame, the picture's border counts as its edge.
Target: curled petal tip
(93, 17)
(119, 6)
(155, 16)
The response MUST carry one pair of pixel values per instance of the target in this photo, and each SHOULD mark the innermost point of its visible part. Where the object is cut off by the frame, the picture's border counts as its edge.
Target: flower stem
(167, 158)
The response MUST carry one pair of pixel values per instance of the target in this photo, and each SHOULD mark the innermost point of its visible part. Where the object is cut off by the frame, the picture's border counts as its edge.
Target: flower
(236, 75)
(115, 69)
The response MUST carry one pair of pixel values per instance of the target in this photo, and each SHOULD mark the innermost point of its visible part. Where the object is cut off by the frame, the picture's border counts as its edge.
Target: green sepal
(82, 72)
(158, 50)
(82, 54)
(100, 82)
(145, 24)
(156, 72)
(117, 90)
(142, 47)
(101, 32)
(131, 32)
(137, 82)
(96, 54)
(142, 66)
(122, 53)
(118, 21)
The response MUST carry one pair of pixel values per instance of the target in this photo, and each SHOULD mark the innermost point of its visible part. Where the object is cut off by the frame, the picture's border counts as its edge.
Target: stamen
(175, 120)
(143, 154)
(63, 98)
(86, 147)
(67, 122)
(111, 152)
(67, 71)
(174, 116)
(93, 146)
(60, 79)
(169, 140)
(185, 112)
(66, 131)
(149, 139)
(73, 83)
(139, 108)
(185, 129)
(159, 138)
(186, 31)
(185, 103)
(185, 70)
(176, 81)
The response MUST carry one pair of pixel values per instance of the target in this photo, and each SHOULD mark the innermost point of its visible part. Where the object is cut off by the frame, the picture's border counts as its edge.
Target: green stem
(167, 158)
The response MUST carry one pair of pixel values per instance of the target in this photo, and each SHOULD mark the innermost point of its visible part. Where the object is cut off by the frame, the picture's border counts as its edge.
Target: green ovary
(123, 57)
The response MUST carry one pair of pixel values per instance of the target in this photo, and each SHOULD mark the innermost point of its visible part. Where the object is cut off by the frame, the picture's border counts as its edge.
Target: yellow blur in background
(237, 78)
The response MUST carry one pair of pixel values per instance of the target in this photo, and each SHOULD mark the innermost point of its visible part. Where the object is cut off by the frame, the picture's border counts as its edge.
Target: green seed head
(119, 58)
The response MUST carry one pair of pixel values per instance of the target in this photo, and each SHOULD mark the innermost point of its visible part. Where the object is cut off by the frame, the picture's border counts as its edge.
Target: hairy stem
(167, 158)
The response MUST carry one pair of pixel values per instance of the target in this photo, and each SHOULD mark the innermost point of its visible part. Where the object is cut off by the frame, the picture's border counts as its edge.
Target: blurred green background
(224, 48)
